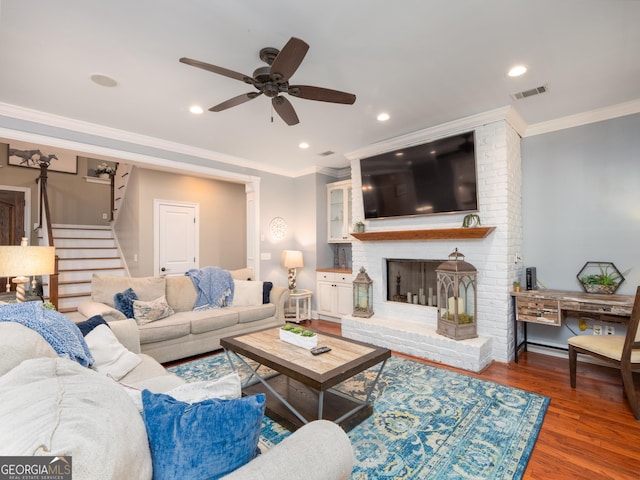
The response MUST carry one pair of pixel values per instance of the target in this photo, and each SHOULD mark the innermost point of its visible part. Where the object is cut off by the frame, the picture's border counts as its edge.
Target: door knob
(163, 269)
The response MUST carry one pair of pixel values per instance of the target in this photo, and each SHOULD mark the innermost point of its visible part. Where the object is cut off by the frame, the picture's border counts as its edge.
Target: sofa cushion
(181, 293)
(151, 375)
(19, 343)
(123, 301)
(247, 293)
(147, 312)
(53, 406)
(206, 320)
(165, 329)
(201, 440)
(60, 332)
(109, 355)
(242, 274)
(252, 314)
(104, 287)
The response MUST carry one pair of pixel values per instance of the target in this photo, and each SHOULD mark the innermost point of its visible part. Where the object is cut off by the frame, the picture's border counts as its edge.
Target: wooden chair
(623, 351)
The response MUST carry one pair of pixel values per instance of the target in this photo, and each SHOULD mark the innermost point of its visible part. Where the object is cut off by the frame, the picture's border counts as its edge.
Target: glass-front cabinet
(339, 211)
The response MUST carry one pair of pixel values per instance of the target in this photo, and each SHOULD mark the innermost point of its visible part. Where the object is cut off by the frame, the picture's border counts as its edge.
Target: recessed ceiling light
(304, 145)
(517, 71)
(383, 117)
(103, 80)
(197, 109)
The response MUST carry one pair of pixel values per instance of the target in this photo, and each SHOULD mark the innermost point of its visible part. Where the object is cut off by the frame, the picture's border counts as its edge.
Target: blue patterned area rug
(428, 422)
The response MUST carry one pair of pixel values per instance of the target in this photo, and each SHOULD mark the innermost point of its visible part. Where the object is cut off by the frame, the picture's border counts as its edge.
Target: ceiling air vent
(326, 154)
(531, 92)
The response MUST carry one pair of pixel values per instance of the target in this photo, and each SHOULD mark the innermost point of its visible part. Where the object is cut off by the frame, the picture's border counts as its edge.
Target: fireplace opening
(412, 281)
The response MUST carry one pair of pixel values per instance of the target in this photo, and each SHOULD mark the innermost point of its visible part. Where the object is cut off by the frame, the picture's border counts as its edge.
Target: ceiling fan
(273, 81)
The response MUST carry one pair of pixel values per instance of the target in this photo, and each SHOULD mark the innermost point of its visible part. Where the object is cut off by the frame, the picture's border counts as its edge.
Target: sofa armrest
(89, 308)
(320, 450)
(127, 333)
(279, 296)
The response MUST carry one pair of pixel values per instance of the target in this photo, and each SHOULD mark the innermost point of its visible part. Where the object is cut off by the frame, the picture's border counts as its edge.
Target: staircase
(83, 251)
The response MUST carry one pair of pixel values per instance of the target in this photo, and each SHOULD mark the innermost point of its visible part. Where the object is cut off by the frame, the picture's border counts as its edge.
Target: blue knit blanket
(61, 333)
(214, 286)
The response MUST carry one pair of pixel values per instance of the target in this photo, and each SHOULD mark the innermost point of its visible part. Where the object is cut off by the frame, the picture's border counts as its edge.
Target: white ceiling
(423, 62)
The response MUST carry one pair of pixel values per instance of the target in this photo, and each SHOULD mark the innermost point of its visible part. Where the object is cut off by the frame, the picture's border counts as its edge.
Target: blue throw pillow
(206, 439)
(123, 301)
(88, 325)
(266, 291)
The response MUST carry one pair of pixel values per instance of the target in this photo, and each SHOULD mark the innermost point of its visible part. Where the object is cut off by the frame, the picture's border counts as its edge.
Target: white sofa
(186, 332)
(53, 406)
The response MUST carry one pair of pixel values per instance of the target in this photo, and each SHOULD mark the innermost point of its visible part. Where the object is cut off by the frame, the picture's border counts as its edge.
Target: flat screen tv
(432, 178)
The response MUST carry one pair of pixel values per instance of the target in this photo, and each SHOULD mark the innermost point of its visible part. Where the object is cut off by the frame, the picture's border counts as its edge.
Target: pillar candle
(452, 304)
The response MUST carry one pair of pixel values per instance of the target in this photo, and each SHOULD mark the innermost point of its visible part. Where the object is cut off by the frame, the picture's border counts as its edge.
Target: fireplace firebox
(412, 281)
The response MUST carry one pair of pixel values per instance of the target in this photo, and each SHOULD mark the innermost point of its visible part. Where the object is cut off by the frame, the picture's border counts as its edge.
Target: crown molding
(593, 116)
(439, 131)
(137, 159)
(35, 116)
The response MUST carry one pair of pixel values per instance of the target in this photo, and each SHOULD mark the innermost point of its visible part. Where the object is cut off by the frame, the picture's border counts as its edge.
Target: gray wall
(581, 202)
(72, 199)
(222, 207)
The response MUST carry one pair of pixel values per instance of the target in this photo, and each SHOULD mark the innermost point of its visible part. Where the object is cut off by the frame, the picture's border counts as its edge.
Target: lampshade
(292, 259)
(26, 261)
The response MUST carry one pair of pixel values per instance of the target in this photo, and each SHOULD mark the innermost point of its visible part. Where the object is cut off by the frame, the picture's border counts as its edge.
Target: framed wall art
(29, 155)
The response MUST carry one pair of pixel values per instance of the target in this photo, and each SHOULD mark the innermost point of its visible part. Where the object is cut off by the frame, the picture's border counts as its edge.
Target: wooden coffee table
(301, 390)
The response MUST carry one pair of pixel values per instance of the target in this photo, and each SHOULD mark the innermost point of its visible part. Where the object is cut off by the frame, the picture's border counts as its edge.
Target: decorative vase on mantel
(104, 176)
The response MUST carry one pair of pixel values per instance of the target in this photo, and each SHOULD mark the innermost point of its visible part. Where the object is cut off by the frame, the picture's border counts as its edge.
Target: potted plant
(298, 336)
(105, 171)
(600, 277)
(471, 220)
(516, 286)
(358, 227)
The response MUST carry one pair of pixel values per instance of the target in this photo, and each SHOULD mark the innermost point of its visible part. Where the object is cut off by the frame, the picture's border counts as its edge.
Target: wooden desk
(550, 307)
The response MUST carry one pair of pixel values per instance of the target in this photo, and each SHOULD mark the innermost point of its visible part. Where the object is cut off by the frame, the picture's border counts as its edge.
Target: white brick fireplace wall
(411, 328)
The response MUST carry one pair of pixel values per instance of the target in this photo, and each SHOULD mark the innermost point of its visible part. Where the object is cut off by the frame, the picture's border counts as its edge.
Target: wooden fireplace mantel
(430, 234)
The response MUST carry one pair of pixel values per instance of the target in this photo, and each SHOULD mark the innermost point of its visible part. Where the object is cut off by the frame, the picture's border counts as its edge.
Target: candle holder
(362, 295)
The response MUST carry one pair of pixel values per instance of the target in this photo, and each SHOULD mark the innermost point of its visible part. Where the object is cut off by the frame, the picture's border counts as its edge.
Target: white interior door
(177, 235)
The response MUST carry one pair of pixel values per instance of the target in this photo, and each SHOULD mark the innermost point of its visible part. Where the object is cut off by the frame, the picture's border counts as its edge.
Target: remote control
(319, 350)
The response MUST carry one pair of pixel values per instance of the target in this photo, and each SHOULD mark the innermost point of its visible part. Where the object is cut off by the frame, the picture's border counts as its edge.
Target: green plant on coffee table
(298, 330)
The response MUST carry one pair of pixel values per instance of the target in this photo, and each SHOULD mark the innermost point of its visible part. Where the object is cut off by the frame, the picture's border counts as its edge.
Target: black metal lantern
(457, 298)
(362, 295)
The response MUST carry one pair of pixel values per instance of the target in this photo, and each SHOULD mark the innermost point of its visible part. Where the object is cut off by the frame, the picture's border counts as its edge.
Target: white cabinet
(339, 212)
(334, 294)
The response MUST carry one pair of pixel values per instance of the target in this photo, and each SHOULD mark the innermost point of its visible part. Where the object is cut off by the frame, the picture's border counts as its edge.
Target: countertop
(334, 270)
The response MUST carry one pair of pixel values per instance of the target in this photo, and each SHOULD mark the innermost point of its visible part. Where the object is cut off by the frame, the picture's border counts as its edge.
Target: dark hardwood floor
(588, 433)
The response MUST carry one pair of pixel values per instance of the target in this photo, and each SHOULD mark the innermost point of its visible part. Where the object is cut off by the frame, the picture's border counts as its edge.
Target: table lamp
(292, 259)
(24, 261)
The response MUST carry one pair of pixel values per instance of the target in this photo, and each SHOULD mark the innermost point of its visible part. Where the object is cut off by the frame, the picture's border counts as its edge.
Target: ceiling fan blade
(321, 94)
(219, 70)
(232, 102)
(289, 59)
(283, 107)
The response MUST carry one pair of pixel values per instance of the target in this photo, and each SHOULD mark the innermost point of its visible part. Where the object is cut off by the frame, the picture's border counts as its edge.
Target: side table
(296, 312)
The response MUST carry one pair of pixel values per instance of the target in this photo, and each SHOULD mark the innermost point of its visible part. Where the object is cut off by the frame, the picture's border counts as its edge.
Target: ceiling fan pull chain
(272, 113)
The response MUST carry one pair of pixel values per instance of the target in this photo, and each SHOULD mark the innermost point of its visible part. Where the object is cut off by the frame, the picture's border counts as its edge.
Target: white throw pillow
(109, 355)
(247, 293)
(225, 388)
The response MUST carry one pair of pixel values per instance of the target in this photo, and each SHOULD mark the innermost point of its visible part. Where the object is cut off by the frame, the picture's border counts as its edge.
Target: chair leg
(630, 391)
(573, 359)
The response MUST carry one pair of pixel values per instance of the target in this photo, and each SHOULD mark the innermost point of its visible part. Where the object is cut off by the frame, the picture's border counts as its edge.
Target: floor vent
(326, 154)
(531, 92)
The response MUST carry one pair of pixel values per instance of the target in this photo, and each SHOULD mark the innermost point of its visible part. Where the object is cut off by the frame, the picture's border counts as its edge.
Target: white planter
(299, 340)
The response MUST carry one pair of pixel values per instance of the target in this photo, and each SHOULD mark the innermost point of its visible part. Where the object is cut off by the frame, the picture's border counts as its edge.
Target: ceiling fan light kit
(273, 81)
